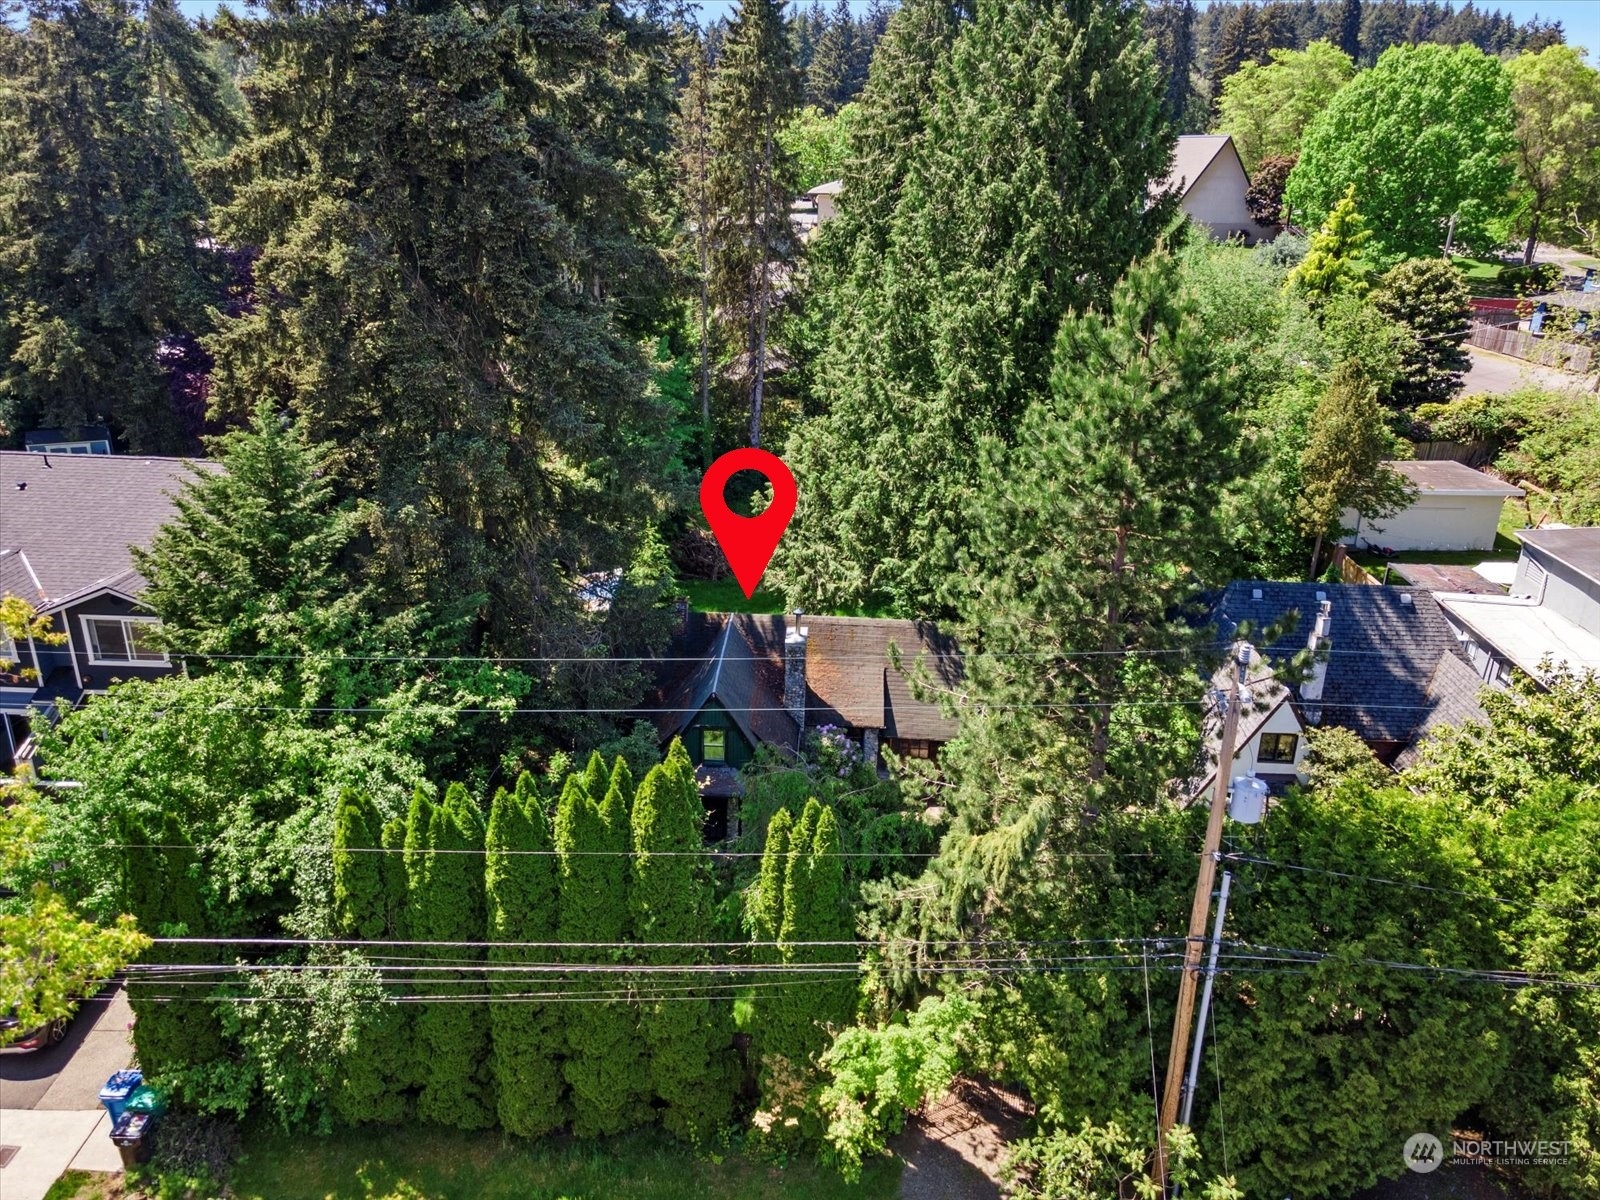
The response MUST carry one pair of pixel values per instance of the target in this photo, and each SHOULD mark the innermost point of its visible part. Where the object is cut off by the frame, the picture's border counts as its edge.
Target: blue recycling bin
(117, 1090)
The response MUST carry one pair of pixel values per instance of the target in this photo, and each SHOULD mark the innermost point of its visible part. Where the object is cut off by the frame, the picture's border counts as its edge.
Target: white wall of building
(1433, 522)
(1248, 762)
(1216, 200)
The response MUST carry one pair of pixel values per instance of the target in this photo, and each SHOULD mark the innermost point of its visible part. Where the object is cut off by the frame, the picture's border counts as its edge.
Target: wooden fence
(1519, 343)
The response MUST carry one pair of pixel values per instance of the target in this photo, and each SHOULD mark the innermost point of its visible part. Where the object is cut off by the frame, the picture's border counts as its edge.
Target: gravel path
(955, 1147)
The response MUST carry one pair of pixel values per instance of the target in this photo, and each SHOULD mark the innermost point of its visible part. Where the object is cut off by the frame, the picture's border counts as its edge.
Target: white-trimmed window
(121, 639)
(8, 650)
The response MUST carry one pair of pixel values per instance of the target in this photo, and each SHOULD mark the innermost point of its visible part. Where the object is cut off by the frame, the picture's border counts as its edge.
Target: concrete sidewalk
(47, 1142)
(56, 1122)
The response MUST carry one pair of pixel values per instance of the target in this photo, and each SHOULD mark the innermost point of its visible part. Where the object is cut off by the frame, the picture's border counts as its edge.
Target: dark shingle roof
(738, 660)
(740, 665)
(1384, 655)
(1452, 699)
(78, 515)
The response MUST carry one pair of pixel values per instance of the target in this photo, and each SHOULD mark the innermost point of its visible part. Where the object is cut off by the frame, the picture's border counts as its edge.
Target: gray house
(67, 525)
(1551, 616)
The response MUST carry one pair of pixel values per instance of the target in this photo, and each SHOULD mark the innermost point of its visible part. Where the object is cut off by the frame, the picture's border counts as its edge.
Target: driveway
(1498, 375)
(50, 1114)
(69, 1076)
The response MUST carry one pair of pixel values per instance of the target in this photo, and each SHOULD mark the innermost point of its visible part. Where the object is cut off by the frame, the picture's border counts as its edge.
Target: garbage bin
(117, 1090)
(145, 1099)
(131, 1135)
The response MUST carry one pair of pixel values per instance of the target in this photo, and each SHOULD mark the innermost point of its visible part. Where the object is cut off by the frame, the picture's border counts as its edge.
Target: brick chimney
(794, 668)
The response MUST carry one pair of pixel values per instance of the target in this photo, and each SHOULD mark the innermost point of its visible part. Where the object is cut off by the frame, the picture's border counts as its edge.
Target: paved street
(49, 1101)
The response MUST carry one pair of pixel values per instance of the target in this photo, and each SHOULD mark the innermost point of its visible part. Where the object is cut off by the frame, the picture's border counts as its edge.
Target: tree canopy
(1423, 137)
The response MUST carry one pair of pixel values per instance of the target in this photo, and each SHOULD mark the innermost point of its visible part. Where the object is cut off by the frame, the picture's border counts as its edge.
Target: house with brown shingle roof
(732, 684)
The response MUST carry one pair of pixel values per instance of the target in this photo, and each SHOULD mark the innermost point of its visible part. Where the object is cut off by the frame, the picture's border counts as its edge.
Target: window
(713, 745)
(1277, 747)
(122, 640)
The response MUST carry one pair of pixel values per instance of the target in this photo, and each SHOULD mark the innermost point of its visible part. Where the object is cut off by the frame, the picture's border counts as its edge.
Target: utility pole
(1205, 1001)
(1231, 703)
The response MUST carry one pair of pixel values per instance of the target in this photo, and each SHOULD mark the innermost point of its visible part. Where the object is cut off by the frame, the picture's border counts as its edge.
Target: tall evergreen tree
(452, 287)
(831, 79)
(1170, 26)
(1428, 298)
(1235, 46)
(1349, 33)
(1098, 530)
(670, 901)
(250, 563)
(603, 1063)
(368, 898)
(1342, 465)
(754, 92)
(453, 1034)
(1335, 263)
(520, 883)
(1025, 200)
(100, 232)
(693, 139)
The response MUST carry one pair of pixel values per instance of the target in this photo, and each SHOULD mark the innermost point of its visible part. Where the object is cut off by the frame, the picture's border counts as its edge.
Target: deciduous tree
(1266, 109)
(1424, 136)
(1556, 98)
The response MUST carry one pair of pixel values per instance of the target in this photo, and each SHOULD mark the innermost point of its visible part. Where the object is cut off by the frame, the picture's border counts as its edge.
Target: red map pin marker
(748, 542)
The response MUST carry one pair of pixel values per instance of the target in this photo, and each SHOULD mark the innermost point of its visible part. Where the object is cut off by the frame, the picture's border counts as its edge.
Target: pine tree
(250, 563)
(1333, 265)
(368, 897)
(1342, 465)
(692, 133)
(946, 333)
(831, 80)
(1350, 28)
(754, 92)
(604, 1065)
(520, 883)
(670, 901)
(453, 1035)
(100, 231)
(1236, 46)
(1099, 526)
(1170, 25)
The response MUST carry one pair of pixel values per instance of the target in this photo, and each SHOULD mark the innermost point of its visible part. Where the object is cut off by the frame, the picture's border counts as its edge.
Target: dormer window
(713, 745)
(121, 640)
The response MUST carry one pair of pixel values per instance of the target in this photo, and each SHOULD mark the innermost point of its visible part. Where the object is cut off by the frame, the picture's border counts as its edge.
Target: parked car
(14, 1040)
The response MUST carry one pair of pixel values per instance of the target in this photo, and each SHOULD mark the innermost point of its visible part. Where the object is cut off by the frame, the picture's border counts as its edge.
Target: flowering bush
(834, 752)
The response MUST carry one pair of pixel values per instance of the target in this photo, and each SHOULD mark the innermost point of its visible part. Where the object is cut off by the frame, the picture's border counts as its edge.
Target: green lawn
(725, 595)
(1482, 275)
(440, 1165)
